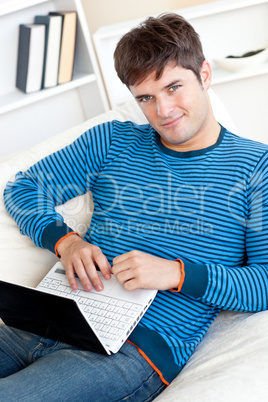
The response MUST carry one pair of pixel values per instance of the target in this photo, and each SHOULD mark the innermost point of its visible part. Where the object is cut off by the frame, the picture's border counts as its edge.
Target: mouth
(173, 122)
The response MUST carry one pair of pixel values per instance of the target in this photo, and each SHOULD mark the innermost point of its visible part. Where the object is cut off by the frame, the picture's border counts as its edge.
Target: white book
(30, 57)
(68, 41)
(53, 25)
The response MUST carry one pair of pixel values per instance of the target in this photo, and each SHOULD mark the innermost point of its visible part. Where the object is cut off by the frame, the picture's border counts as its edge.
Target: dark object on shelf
(248, 54)
(30, 57)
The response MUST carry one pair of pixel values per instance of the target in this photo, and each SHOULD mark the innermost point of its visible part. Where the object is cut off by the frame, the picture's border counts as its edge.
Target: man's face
(177, 106)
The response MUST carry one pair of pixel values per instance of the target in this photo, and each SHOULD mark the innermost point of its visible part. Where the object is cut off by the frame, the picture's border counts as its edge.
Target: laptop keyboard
(109, 316)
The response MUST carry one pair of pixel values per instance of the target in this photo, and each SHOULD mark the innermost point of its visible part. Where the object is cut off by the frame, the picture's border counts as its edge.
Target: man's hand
(80, 257)
(140, 270)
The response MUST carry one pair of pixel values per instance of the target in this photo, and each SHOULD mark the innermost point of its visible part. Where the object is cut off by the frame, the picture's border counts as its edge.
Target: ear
(205, 74)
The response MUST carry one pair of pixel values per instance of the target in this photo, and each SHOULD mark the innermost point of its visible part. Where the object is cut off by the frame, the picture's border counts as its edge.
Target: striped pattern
(207, 207)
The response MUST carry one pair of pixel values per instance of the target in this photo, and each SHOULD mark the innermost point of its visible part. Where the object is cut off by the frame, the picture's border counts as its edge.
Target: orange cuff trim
(151, 363)
(182, 277)
(62, 238)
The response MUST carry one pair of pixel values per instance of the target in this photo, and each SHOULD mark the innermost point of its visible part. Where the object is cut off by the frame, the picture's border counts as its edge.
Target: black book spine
(23, 57)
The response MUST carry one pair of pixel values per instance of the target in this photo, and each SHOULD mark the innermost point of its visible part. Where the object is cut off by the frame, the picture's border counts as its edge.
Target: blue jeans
(33, 368)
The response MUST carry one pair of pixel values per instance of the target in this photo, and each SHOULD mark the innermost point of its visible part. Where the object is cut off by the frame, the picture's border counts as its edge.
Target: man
(180, 206)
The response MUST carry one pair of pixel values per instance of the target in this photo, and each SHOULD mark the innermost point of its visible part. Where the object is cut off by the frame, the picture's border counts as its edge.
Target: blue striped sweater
(207, 207)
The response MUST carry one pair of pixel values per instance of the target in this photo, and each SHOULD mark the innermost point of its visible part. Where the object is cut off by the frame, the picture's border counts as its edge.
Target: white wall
(106, 12)
(246, 99)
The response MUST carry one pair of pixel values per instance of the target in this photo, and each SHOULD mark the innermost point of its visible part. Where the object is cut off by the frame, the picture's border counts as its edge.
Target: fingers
(126, 269)
(88, 274)
(103, 264)
(124, 257)
(81, 259)
(70, 276)
(137, 269)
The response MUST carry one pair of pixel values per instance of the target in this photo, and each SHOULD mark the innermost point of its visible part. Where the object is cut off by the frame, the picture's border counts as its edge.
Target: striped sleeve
(32, 197)
(243, 288)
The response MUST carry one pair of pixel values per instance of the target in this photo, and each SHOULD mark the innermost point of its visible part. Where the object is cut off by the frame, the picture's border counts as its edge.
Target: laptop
(96, 321)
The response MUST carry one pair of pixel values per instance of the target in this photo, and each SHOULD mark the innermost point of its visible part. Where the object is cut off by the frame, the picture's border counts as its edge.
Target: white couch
(230, 364)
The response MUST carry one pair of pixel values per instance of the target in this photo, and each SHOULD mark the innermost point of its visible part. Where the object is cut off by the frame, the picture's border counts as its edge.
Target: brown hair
(155, 43)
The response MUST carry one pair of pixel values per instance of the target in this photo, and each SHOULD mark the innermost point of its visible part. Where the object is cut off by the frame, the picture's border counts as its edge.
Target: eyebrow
(171, 84)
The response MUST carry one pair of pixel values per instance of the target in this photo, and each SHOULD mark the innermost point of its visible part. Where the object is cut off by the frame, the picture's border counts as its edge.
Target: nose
(164, 107)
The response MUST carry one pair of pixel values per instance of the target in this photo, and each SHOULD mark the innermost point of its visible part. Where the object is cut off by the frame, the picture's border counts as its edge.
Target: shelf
(217, 7)
(190, 13)
(17, 99)
(223, 27)
(11, 6)
(220, 76)
(54, 109)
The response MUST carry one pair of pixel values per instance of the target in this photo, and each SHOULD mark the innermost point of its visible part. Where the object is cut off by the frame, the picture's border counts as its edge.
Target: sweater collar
(189, 154)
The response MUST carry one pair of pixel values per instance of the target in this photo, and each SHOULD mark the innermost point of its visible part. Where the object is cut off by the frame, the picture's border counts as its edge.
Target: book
(30, 57)
(53, 24)
(68, 39)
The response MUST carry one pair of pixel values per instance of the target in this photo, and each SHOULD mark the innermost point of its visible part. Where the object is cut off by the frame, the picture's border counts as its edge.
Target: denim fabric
(33, 368)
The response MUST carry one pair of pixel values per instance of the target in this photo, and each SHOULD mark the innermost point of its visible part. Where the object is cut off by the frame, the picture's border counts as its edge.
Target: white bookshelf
(225, 27)
(26, 119)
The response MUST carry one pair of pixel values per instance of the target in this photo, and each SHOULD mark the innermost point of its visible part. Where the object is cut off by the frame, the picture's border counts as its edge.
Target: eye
(145, 98)
(174, 88)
